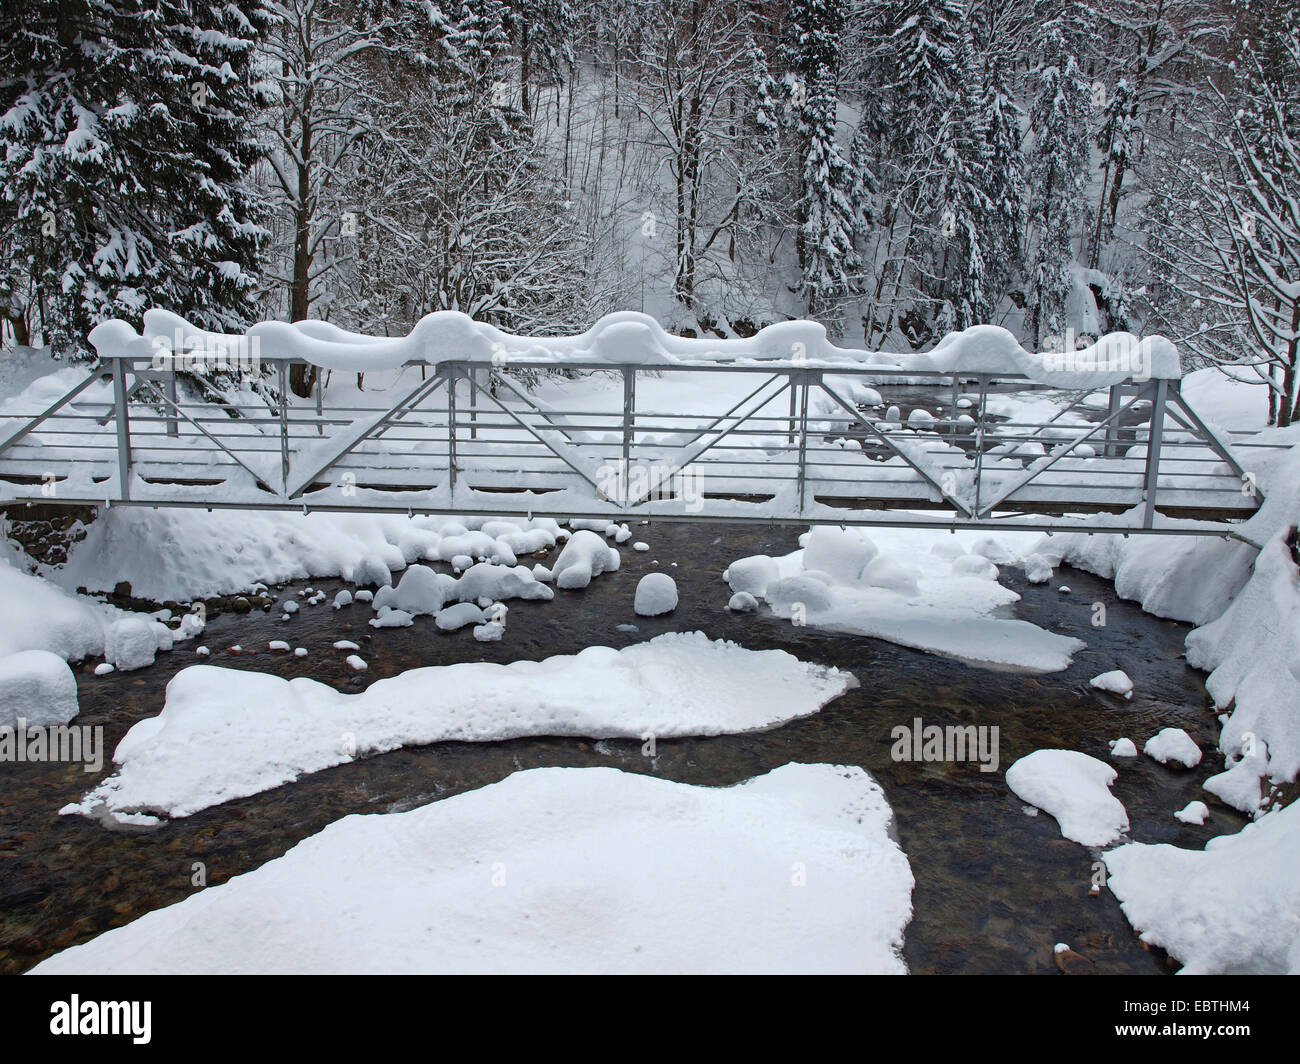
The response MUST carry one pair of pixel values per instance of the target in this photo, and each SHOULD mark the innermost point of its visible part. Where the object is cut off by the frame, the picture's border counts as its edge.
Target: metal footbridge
(718, 436)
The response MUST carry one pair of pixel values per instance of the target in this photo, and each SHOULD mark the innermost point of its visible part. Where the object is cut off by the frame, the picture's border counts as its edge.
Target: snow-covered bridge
(626, 421)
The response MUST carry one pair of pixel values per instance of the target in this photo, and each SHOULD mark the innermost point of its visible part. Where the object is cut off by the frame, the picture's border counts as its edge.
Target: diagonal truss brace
(1060, 451)
(659, 475)
(398, 410)
(928, 475)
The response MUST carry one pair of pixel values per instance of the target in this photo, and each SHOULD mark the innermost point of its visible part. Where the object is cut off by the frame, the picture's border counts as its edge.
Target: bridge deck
(779, 442)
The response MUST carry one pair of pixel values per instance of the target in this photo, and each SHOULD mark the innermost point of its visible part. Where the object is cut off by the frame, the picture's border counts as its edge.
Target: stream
(996, 888)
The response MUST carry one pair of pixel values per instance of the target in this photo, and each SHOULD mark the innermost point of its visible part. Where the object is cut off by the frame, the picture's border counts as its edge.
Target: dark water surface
(995, 890)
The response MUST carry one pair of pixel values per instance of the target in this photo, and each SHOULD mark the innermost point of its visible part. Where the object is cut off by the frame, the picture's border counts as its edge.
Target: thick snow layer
(918, 588)
(1254, 652)
(225, 734)
(628, 336)
(1173, 744)
(39, 616)
(1247, 603)
(1232, 908)
(37, 687)
(656, 593)
(558, 870)
(1075, 789)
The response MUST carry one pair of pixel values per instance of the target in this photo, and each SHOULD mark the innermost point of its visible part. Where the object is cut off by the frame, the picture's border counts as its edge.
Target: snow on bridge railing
(628, 338)
(811, 440)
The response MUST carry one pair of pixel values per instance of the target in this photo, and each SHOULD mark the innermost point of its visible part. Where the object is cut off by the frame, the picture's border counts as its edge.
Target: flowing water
(996, 888)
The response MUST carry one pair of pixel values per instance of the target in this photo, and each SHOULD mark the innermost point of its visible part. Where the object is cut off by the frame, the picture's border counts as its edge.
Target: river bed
(996, 888)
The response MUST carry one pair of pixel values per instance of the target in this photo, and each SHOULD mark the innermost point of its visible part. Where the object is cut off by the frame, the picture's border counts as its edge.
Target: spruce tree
(124, 154)
(1058, 169)
(831, 206)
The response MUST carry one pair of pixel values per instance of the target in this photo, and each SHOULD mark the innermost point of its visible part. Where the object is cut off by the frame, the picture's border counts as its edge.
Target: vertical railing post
(980, 423)
(451, 427)
(173, 423)
(284, 424)
(473, 403)
(320, 402)
(1154, 435)
(790, 438)
(1114, 398)
(629, 403)
(956, 395)
(803, 432)
(123, 429)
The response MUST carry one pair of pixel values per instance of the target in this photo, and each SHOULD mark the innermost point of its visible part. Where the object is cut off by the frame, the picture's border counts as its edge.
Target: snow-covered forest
(894, 170)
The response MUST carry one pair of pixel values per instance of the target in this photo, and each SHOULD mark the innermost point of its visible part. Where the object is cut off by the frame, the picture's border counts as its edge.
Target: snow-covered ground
(558, 870)
(1231, 908)
(226, 734)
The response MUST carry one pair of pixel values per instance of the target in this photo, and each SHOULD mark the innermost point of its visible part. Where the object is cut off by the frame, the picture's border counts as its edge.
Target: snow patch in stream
(918, 588)
(558, 870)
(227, 733)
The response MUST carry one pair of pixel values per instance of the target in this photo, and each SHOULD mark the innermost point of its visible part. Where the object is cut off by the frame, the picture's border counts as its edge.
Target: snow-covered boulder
(1241, 786)
(459, 615)
(38, 687)
(1173, 744)
(420, 592)
(802, 593)
(752, 574)
(488, 581)
(742, 602)
(132, 642)
(974, 565)
(840, 553)
(1193, 813)
(1123, 748)
(1116, 682)
(1075, 789)
(586, 555)
(656, 593)
(887, 573)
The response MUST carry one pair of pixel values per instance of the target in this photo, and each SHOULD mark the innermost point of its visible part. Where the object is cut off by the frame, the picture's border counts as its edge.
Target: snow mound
(584, 556)
(1075, 789)
(920, 589)
(1116, 682)
(742, 602)
(1232, 908)
(37, 687)
(1241, 786)
(1173, 744)
(39, 616)
(603, 868)
(459, 615)
(1193, 813)
(656, 593)
(132, 642)
(1123, 748)
(226, 733)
